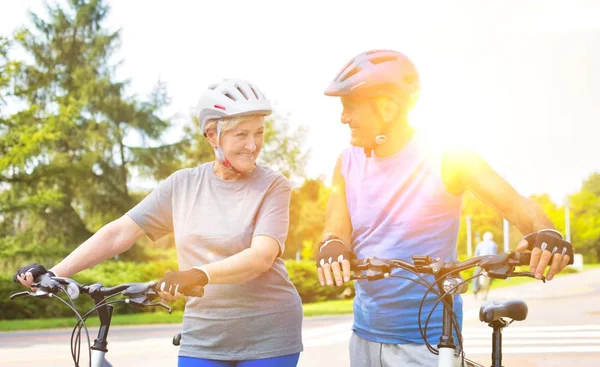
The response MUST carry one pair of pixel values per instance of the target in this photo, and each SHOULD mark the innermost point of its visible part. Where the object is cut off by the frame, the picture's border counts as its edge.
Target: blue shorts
(291, 360)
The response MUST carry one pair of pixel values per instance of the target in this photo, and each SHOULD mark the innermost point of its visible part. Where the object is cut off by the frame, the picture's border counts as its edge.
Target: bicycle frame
(446, 348)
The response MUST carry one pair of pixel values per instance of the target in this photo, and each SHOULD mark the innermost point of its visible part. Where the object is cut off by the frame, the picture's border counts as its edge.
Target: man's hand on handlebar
(547, 247)
(333, 262)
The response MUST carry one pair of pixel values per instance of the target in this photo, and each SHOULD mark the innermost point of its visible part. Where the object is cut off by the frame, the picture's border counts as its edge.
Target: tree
(65, 169)
(5, 71)
(283, 149)
(307, 217)
(585, 219)
(555, 212)
(63, 156)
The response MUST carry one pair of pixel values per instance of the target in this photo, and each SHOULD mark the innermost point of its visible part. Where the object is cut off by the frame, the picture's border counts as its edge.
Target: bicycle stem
(105, 313)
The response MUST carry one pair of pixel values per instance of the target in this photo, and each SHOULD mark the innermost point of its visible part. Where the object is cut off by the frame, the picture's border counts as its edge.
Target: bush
(109, 273)
(304, 276)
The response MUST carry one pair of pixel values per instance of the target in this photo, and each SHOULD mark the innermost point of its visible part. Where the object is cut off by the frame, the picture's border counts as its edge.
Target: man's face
(365, 124)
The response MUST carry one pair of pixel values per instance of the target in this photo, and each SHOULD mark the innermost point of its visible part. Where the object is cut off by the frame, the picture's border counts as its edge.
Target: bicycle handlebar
(137, 293)
(498, 266)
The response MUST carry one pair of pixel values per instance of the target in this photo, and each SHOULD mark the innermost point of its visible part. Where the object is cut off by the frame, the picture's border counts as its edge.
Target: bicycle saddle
(493, 310)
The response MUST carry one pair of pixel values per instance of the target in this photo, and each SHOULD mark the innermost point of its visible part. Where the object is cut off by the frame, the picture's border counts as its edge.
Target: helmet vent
(241, 91)
(344, 68)
(253, 91)
(229, 96)
(379, 60)
(350, 74)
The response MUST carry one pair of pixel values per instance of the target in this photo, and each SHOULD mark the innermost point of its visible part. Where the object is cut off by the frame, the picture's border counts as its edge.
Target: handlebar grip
(523, 257)
(197, 291)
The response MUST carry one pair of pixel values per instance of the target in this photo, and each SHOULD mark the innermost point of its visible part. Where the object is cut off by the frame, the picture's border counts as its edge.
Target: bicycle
(449, 283)
(137, 294)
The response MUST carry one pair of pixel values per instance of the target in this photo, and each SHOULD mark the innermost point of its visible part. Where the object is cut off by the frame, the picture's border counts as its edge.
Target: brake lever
(146, 303)
(145, 300)
(370, 275)
(165, 306)
(39, 293)
(526, 274)
(21, 294)
(376, 275)
(358, 277)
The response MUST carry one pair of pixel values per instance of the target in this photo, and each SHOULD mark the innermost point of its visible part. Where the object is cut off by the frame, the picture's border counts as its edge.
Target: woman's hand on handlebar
(29, 273)
(176, 284)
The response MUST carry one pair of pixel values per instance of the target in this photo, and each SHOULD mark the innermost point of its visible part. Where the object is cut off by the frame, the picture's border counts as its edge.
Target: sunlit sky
(517, 81)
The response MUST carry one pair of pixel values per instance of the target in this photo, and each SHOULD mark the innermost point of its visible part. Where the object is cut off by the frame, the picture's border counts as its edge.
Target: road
(562, 329)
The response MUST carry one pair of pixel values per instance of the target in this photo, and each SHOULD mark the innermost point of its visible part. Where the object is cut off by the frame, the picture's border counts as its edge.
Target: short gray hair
(229, 123)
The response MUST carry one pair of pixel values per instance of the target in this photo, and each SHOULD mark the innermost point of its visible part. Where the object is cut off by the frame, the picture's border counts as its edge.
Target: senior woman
(230, 219)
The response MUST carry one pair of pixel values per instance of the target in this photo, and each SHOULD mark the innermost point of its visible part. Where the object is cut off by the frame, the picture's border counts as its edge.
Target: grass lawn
(335, 307)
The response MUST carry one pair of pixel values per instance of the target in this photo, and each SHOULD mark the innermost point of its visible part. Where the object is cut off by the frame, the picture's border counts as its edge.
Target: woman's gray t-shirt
(213, 219)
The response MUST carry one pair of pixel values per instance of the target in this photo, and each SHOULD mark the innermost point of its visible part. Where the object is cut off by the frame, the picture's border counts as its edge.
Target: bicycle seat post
(497, 325)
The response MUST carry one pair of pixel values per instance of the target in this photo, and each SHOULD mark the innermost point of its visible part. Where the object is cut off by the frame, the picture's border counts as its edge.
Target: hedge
(302, 274)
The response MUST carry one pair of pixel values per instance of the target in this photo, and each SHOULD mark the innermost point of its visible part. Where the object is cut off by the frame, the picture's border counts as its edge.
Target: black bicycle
(137, 294)
(447, 283)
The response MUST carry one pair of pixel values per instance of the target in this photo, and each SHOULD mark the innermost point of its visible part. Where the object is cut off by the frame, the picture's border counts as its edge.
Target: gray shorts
(365, 353)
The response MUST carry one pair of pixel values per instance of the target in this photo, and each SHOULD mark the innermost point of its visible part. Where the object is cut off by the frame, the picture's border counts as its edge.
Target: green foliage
(307, 217)
(304, 276)
(65, 167)
(283, 148)
(585, 219)
(109, 273)
(63, 155)
(6, 68)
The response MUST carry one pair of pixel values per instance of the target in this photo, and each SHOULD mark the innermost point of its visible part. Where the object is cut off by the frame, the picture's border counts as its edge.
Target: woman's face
(243, 143)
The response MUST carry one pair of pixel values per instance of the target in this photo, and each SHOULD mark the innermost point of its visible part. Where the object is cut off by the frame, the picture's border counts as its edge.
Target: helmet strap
(380, 138)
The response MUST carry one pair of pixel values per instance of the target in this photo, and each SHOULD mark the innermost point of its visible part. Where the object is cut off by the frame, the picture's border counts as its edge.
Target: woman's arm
(245, 265)
(114, 238)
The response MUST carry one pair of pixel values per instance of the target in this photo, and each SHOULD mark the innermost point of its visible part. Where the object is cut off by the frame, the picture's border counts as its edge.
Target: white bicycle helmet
(231, 97)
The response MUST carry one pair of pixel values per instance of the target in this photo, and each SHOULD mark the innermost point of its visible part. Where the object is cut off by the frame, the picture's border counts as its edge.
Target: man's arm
(337, 224)
(337, 218)
(465, 170)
